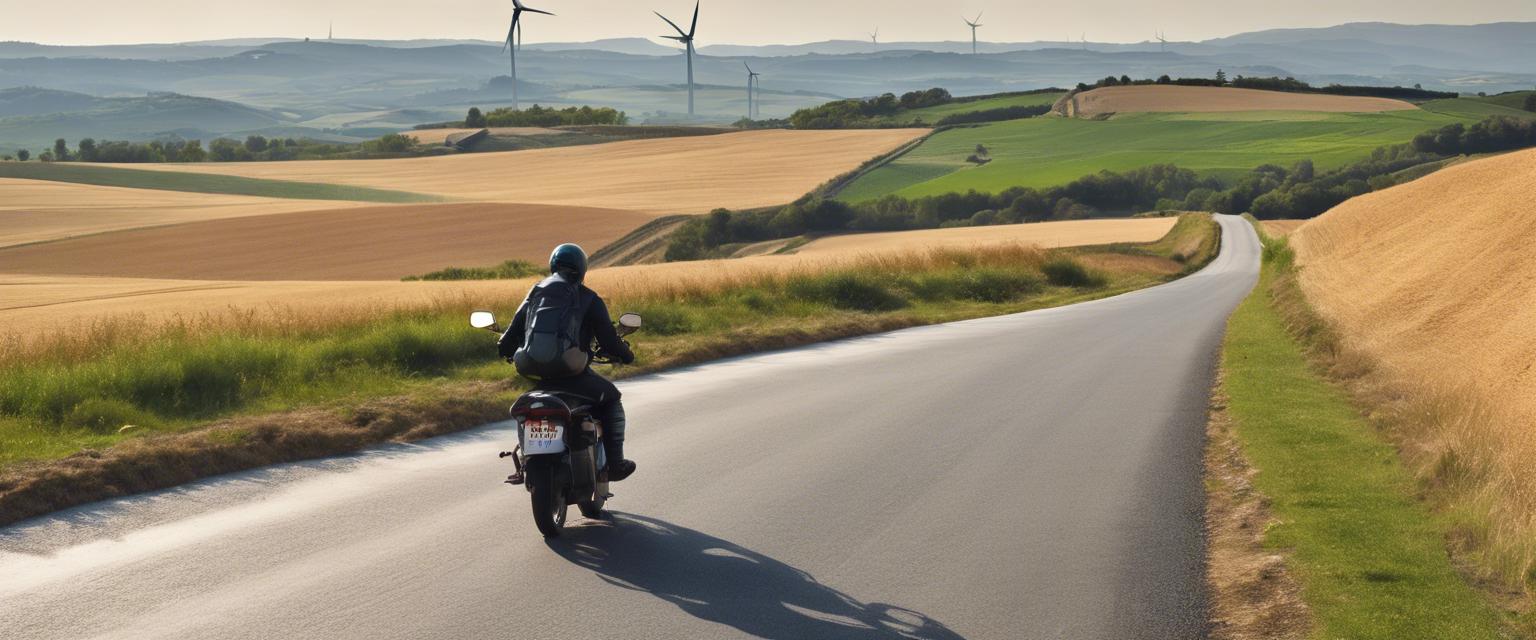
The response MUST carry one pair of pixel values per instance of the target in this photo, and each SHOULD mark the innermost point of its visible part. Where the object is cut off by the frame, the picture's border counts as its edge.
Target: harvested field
(40, 210)
(1437, 277)
(658, 177)
(367, 243)
(439, 136)
(1281, 228)
(1173, 98)
(1043, 234)
(33, 306)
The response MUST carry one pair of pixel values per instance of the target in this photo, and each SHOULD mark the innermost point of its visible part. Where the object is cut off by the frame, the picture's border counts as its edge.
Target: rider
(569, 262)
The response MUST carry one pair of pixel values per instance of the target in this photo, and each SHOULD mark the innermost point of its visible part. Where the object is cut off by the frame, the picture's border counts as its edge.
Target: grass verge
(96, 414)
(203, 183)
(1369, 557)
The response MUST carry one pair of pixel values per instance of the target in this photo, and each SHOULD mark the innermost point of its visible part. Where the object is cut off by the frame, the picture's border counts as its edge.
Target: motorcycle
(559, 455)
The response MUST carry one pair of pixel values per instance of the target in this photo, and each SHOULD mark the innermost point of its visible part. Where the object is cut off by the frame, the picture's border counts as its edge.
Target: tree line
(253, 149)
(1268, 192)
(881, 110)
(537, 116)
(1276, 84)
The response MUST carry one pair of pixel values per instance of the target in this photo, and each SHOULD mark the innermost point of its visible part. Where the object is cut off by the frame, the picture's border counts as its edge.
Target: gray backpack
(552, 339)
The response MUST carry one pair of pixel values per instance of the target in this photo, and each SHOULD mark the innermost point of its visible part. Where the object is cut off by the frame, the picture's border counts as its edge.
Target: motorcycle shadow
(718, 581)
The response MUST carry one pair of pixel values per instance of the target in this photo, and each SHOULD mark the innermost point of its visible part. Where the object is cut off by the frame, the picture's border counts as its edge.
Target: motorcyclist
(569, 263)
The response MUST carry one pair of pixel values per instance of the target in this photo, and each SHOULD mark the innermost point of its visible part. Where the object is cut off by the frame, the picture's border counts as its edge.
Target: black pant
(605, 406)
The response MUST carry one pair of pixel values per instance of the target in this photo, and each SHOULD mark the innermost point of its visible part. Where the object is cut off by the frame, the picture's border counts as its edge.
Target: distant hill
(26, 119)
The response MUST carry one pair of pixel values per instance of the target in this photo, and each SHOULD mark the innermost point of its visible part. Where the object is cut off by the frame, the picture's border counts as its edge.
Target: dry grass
(34, 305)
(357, 243)
(1281, 228)
(659, 176)
(39, 210)
(1431, 286)
(1253, 593)
(1173, 98)
(1051, 234)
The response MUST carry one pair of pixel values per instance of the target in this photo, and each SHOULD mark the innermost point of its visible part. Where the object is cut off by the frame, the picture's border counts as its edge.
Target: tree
(87, 150)
(1125, 79)
(45, 156)
(23, 155)
(1530, 102)
(475, 119)
(61, 150)
(192, 151)
(1221, 76)
(981, 150)
(1164, 79)
(255, 144)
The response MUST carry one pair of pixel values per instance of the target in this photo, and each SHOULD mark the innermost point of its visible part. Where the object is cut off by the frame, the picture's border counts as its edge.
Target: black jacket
(595, 326)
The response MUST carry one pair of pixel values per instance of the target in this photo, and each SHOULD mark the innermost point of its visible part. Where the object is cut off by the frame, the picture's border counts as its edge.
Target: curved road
(1027, 476)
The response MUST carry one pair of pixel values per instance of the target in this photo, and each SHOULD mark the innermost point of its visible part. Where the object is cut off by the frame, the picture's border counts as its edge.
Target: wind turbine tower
(874, 38)
(1162, 42)
(330, 31)
(751, 83)
(974, 23)
(512, 43)
(687, 39)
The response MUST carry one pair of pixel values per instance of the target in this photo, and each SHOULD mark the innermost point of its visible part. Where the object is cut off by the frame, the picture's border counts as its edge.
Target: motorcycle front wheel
(548, 498)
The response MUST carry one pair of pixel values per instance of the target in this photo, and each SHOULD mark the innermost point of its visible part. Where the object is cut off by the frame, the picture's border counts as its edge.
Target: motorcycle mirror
(630, 320)
(482, 320)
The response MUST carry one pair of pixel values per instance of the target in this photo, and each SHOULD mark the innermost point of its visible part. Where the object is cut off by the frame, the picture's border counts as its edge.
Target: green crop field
(930, 115)
(203, 183)
(1050, 151)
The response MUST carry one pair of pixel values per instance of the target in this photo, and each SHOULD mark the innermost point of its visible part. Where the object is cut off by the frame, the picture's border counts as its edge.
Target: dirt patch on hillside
(1044, 234)
(658, 176)
(1174, 98)
(40, 210)
(439, 136)
(367, 243)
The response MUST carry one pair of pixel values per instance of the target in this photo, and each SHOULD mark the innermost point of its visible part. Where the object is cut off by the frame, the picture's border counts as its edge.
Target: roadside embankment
(1430, 291)
(124, 408)
(1317, 528)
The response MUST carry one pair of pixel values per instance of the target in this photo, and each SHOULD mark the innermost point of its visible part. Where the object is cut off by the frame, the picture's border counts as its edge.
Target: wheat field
(656, 176)
(1066, 233)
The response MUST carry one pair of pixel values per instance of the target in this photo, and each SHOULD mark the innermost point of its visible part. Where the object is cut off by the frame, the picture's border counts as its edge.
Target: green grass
(509, 270)
(1370, 558)
(203, 183)
(1050, 151)
(930, 115)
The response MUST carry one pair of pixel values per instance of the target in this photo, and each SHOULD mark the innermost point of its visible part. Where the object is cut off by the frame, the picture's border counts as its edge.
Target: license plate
(543, 436)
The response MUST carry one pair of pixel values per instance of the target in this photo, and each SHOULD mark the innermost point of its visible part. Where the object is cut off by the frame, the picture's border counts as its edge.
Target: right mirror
(630, 320)
(482, 319)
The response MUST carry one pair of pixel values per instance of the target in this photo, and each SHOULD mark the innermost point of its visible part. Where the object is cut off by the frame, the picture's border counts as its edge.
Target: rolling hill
(34, 117)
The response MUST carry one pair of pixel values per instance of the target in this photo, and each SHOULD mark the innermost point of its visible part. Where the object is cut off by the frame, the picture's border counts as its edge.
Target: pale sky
(720, 21)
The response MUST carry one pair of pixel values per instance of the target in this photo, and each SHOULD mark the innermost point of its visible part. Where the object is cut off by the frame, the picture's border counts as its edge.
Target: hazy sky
(720, 21)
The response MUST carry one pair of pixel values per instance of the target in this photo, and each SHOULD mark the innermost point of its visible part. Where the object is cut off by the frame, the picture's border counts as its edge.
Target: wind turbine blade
(674, 26)
(978, 17)
(695, 25)
(508, 42)
(538, 11)
(519, 35)
(677, 38)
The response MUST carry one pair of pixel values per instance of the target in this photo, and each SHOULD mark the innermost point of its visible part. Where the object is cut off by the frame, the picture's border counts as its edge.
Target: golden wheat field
(1281, 228)
(1051, 234)
(1437, 277)
(34, 305)
(658, 176)
(39, 210)
(358, 243)
(1174, 98)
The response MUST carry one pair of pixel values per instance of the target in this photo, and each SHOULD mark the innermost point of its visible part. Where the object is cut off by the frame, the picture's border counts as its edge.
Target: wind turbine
(1162, 43)
(874, 38)
(1084, 39)
(974, 23)
(511, 44)
(687, 40)
(751, 80)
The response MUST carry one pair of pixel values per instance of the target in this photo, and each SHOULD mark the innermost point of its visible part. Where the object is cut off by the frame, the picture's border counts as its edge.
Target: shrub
(509, 270)
(106, 415)
(1066, 272)
(854, 292)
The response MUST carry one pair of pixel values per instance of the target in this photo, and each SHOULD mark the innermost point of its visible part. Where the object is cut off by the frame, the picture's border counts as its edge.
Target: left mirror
(482, 320)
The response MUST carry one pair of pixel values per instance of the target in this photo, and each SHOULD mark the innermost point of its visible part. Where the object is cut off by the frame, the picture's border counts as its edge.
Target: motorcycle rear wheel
(548, 500)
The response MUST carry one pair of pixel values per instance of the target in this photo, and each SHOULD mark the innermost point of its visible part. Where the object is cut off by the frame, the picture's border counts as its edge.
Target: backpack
(552, 339)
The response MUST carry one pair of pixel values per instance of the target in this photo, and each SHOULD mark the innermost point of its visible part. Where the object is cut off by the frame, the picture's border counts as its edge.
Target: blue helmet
(570, 261)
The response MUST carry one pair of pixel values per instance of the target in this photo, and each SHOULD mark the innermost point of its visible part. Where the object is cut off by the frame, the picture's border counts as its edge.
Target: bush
(853, 292)
(509, 270)
(1066, 272)
(106, 415)
(537, 116)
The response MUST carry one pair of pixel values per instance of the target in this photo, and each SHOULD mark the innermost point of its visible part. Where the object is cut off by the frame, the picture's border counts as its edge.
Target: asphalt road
(1027, 476)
